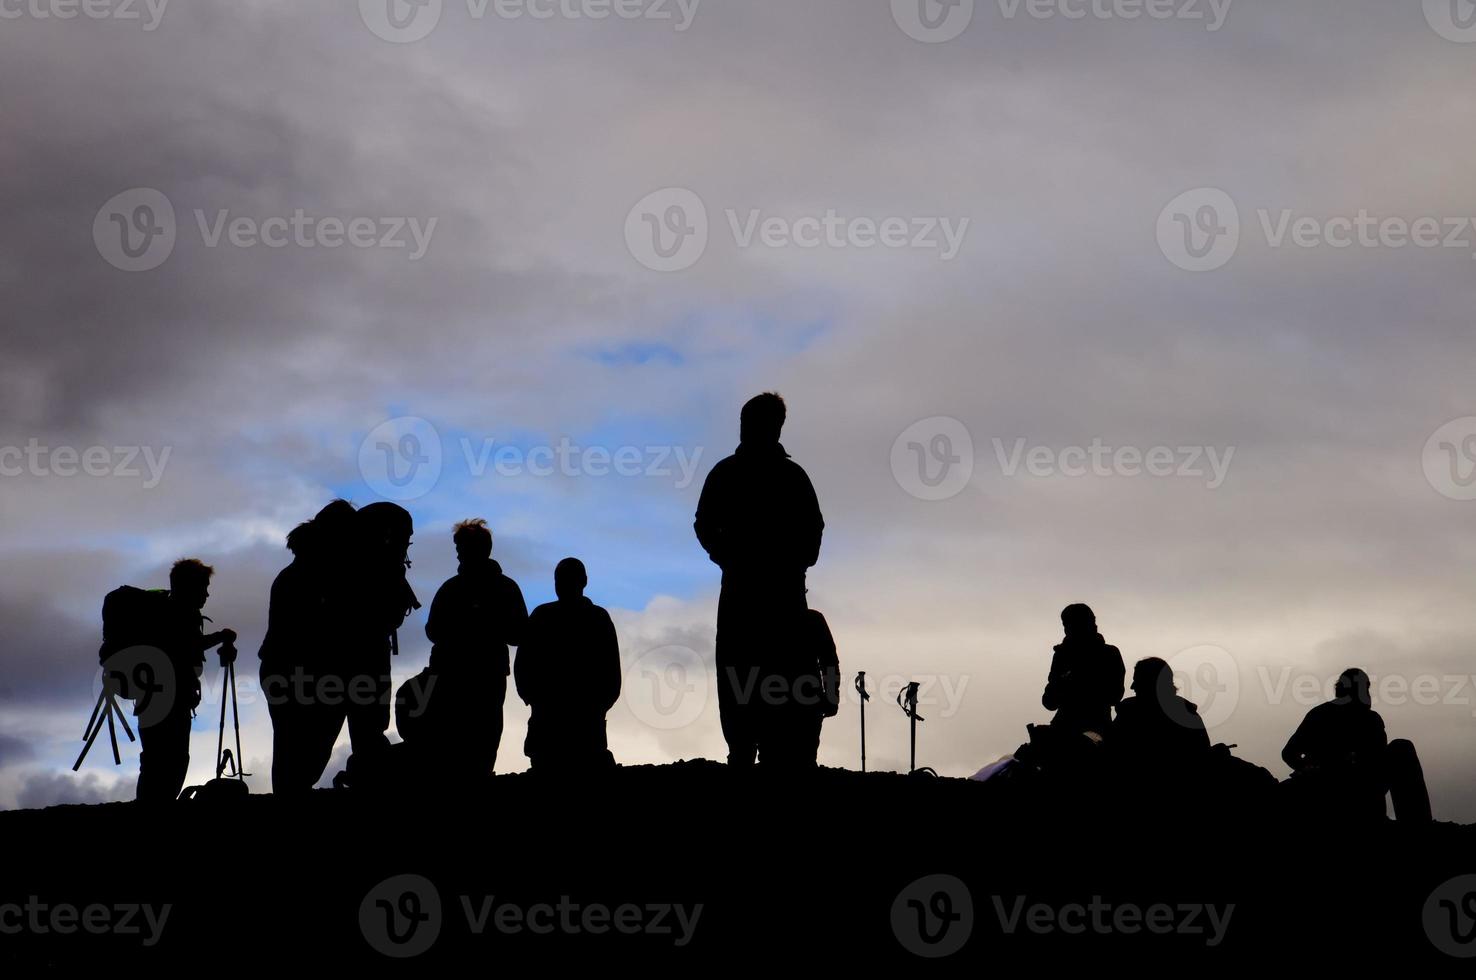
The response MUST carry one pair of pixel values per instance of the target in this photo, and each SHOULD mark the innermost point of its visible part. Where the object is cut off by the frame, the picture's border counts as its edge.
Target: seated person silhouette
(474, 618)
(1342, 761)
(803, 689)
(1086, 679)
(568, 672)
(1158, 734)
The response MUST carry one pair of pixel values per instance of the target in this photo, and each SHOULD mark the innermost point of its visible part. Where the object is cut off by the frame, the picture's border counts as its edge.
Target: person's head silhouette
(570, 579)
(1078, 620)
(1154, 678)
(189, 583)
(762, 420)
(1353, 687)
(473, 540)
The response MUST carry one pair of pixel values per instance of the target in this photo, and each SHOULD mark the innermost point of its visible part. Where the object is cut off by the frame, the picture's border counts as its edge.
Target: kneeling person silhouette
(568, 672)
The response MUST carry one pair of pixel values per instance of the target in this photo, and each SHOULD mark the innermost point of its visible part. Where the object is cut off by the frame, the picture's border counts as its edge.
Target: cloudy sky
(1164, 306)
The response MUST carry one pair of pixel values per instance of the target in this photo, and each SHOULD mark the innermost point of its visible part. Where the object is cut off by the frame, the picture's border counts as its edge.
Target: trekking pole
(861, 690)
(907, 700)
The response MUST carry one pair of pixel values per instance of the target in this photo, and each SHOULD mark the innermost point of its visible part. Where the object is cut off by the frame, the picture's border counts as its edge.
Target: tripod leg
(124, 722)
(94, 729)
(220, 738)
(95, 709)
(236, 718)
(113, 734)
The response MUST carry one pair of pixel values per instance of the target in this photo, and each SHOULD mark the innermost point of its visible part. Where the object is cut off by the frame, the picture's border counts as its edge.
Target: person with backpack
(476, 615)
(568, 672)
(380, 600)
(153, 650)
(311, 599)
(759, 520)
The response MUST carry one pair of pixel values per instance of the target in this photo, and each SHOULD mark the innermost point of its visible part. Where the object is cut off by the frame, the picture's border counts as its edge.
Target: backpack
(131, 618)
(384, 532)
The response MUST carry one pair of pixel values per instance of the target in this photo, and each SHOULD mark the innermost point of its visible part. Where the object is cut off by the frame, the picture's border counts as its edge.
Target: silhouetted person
(311, 603)
(164, 735)
(381, 599)
(568, 673)
(788, 726)
(759, 520)
(1156, 732)
(1086, 679)
(1340, 755)
(474, 618)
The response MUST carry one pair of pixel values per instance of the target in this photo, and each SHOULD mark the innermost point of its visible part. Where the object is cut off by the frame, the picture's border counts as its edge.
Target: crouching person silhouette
(147, 634)
(1158, 737)
(475, 616)
(1343, 763)
(568, 673)
(759, 520)
(311, 600)
(802, 689)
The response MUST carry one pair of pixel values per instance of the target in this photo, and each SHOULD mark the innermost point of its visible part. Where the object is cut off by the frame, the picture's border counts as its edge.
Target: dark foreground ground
(688, 865)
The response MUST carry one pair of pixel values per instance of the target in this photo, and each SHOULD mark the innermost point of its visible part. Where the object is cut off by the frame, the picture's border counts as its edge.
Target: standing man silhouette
(760, 522)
